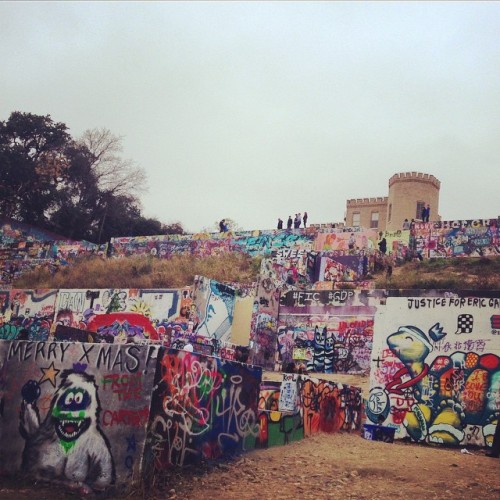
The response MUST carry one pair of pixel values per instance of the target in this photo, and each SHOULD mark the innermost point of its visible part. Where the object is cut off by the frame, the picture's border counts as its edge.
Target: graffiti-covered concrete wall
(203, 408)
(329, 406)
(458, 238)
(301, 406)
(74, 413)
(331, 331)
(170, 317)
(341, 268)
(277, 427)
(215, 306)
(206, 244)
(242, 320)
(435, 372)
(26, 314)
(24, 247)
(108, 310)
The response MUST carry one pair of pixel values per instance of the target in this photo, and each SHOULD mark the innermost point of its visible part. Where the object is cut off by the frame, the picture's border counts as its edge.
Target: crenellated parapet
(366, 202)
(414, 176)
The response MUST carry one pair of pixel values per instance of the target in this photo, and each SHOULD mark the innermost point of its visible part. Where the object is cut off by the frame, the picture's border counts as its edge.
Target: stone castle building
(409, 192)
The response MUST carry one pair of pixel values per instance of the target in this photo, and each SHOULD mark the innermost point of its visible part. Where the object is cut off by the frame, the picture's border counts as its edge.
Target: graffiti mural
(329, 406)
(398, 243)
(204, 244)
(26, 314)
(435, 373)
(214, 304)
(348, 240)
(459, 238)
(24, 247)
(145, 314)
(113, 328)
(203, 408)
(276, 428)
(331, 331)
(274, 280)
(70, 411)
(342, 268)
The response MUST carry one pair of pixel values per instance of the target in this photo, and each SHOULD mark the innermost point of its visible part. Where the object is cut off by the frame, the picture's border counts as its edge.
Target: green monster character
(68, 446)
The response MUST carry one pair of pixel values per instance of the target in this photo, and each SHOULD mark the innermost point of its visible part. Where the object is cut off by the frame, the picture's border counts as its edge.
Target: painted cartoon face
(70, 414)
(409, 344)
(319, 335)
(329, 343)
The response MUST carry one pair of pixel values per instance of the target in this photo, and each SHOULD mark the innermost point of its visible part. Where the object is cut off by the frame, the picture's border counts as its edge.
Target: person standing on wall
(280, 224)
(305, 219)
(351, 243)
(289, 222)
(426, 211)
(382, 245)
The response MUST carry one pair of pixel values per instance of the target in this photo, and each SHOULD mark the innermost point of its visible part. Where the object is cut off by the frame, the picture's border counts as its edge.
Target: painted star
(50, 374)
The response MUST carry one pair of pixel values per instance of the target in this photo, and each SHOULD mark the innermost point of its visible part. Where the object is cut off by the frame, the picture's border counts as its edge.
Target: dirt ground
(323, 466)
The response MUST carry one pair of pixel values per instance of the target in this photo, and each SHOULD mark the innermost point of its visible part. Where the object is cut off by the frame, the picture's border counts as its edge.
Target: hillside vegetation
(150, 272)
(447, 274)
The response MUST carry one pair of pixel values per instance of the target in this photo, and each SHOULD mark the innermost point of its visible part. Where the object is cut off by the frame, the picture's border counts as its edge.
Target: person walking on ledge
(304, 218)
(280, 224)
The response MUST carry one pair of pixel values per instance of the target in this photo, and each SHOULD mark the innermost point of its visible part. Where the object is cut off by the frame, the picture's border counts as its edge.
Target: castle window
(390, 211)
(374, 220)
(420, 207)
(356, 219)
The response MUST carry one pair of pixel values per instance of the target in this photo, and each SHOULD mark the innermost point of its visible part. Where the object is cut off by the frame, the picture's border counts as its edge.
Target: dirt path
(323, 466)
(342, 466)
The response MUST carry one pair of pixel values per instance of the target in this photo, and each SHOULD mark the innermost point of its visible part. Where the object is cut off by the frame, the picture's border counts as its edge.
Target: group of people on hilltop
(296, 222)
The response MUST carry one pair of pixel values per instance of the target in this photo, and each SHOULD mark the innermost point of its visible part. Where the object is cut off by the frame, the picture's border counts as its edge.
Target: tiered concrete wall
(24, 247)
(201, 314)
(291, 249)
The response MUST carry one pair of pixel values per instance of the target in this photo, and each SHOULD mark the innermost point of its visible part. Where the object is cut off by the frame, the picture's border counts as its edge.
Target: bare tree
(114, 174)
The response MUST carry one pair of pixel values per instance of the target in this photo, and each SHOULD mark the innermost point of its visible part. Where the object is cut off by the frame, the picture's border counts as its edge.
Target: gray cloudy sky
(259, 110)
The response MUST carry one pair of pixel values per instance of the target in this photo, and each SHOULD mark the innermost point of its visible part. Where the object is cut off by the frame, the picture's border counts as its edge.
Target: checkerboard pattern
(465, 323)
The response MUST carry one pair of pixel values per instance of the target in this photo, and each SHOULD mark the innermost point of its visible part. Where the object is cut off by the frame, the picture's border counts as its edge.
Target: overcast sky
(259, 110)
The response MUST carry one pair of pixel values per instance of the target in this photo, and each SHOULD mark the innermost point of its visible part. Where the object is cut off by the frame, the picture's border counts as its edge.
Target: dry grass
(446, 274)
(150, 272)
(144, 272)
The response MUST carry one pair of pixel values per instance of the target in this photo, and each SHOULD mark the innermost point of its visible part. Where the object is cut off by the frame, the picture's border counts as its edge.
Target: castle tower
(409, 192)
